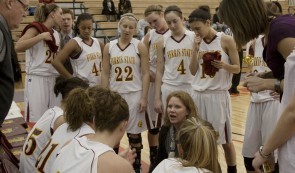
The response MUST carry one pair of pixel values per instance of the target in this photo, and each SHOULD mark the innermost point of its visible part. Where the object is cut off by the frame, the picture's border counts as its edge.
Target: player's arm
(30, 38)
(70, 49)
(144, 62)
(229, 44)
(194, 64)
(101, 44)
(105, 67)
(284, 130)
(159, 76)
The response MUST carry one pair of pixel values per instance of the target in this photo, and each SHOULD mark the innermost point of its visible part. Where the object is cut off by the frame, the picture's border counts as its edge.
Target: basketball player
(279, 48)
(174, 53)
(78, 117)
(40, 41)
(155, 17)
(126, 70)
(46, 125)
(94, 152)
(211, 89)
(85, 53)
(263, 110)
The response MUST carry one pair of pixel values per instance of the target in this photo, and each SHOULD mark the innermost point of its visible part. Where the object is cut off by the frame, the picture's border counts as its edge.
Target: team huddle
(84, 95)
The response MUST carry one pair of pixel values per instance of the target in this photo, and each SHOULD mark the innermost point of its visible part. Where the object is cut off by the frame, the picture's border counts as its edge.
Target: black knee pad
(154, 131)
(135, 139)
(248, 164)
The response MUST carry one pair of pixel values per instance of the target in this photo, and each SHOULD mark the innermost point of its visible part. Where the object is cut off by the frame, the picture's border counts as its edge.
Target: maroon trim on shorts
(147, 120)
(28, 113)
(226, 136)
(159, 121)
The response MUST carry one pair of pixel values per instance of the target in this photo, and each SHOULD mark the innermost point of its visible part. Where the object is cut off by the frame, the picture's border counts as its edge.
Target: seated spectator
(109, 9)
(141, 25)
(124, 7)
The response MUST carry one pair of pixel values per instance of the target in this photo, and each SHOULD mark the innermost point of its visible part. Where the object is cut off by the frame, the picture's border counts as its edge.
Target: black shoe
(234, 91)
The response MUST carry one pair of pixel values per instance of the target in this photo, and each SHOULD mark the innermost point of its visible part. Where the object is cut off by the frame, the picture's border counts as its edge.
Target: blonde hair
(187, 101)
(128, 16)
(43, 10)
(158, 9)
(246, 18)
(198, 139)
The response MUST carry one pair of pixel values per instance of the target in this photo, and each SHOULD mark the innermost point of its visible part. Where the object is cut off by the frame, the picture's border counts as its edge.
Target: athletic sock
(232, 169)
(153, 153)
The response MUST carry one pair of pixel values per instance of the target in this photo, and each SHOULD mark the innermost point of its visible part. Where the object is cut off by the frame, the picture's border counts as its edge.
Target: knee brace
(135, 141)
(248, 164)
(154, 131)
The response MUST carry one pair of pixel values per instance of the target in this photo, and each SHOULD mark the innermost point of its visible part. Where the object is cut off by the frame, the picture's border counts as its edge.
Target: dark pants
(236, 77)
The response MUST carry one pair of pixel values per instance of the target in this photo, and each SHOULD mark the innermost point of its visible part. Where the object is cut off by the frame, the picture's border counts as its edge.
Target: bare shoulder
(58, 122)
(110, 162)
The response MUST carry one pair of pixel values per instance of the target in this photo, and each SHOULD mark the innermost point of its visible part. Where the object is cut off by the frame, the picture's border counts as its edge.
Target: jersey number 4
(181, 68)
(95, 70)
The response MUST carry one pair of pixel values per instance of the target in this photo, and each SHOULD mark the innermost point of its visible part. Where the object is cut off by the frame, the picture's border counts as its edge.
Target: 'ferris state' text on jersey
(178, 56)
(154, 38)
(222, 79)
(125, 71)
(259, 65)
(39, 58)
(87, 64)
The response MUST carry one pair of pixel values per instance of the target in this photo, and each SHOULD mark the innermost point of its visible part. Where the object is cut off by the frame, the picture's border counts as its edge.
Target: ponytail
(78, 108)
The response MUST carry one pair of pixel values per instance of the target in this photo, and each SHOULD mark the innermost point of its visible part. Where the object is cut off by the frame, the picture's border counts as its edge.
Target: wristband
(277, 86)
(262, 155)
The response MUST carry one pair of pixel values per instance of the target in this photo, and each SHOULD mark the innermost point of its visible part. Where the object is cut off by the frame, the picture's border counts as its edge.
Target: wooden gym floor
(240, 105)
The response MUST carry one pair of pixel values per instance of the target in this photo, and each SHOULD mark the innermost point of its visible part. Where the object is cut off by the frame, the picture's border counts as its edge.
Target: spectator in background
(66, 33)
(215, 16)
(11, 15)
(141, 25)
(124, 6)
(109, 9)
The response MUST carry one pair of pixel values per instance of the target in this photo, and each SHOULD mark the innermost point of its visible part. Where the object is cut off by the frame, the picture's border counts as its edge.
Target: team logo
(139, 124)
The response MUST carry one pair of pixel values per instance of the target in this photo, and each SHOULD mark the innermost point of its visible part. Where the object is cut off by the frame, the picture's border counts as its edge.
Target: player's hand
(129, 155)
(254, 84)
(158, 106)
(218, 64)
(257, 162)
(46, 36)
(142, 105)
(276, 95)
(197, 42)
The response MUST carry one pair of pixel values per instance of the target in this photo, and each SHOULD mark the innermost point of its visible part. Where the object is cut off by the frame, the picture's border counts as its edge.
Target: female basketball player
(155, 17)
(280, 43)
(46, 125)
(84, 51)
(263, 109)
(94, 152)
(78, 116)
(126, 70)
(213, 78)
(40, 41)
(174, 53)
(197, 148)
(180, 106)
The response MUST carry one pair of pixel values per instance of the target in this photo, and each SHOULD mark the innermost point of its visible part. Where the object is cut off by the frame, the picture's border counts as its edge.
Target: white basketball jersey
(154, 38)
(80, 155)
(37, 139)
(88, 64)
(39, 58)
(172, 165)
(59, 138)
(222, 79)
(178, 56)
(125, 75)
(259, 65)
